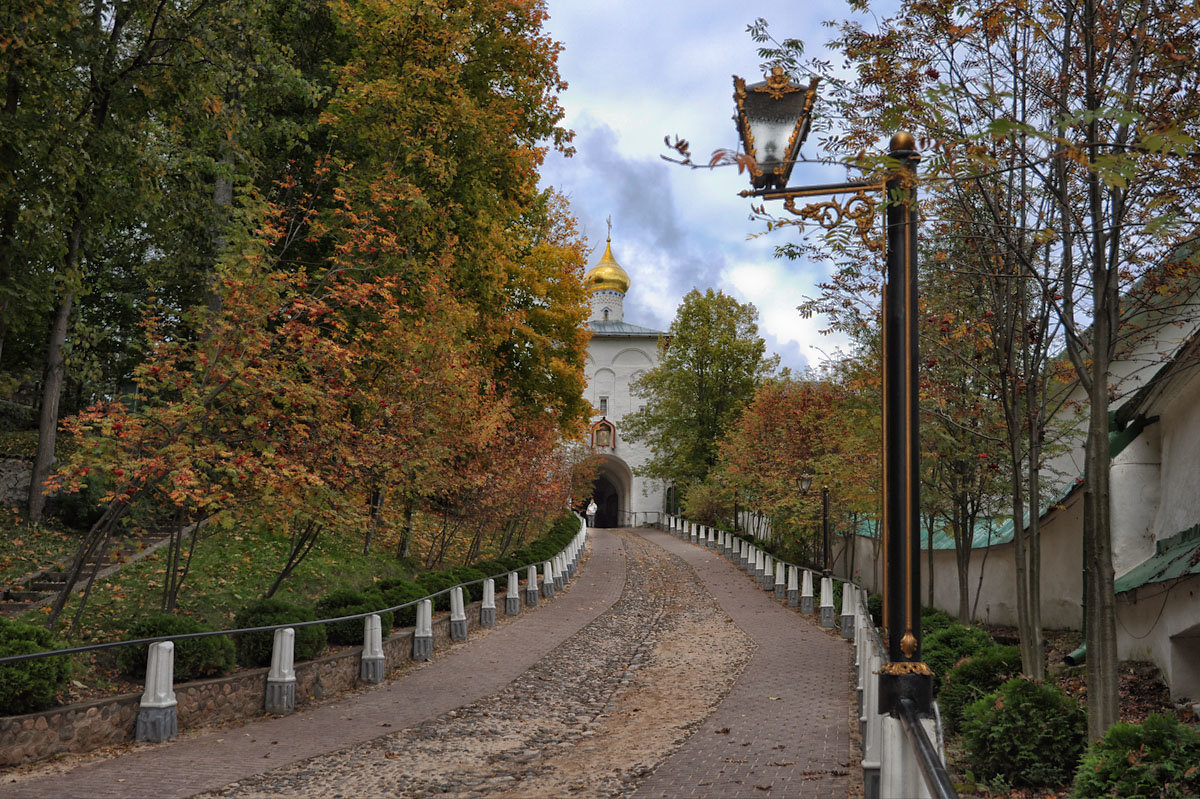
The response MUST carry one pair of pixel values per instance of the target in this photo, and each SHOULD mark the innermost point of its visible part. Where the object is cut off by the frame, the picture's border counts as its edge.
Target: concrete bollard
(736, 554)
(711, 541)
(371, 663)
(458, 615)
(806, 593)
(423, 632)
(780, 580)
(571, 561)
(487, 608)
(767, 581)
(158, 717)
(848, 602)
(871, 723)
(547, 580)
(695, 533)
(793, 586)
(531, 587)
(826, 601)
(281, 678)
(748, 560)
(512, 597)
(758, 564)
(559, 573)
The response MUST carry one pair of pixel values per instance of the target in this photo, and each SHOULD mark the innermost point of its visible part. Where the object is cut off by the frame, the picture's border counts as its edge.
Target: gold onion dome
(607, 274)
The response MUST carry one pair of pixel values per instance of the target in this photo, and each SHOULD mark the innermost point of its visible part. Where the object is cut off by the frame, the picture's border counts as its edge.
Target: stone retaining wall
(105, 722)
(15, 474)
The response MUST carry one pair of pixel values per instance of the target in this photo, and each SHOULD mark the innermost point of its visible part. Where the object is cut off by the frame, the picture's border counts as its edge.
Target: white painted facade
(1155, 498)
(619, 353)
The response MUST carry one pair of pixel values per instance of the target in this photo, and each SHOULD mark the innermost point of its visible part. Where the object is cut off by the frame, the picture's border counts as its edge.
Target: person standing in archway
(591, 513)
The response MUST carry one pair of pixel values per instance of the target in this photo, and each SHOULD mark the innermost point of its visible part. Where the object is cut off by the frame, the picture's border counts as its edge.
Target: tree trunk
(1103, 681)
(52, 379)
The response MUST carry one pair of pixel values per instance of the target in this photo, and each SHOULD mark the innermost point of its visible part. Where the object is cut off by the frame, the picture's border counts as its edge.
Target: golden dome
(607, 274)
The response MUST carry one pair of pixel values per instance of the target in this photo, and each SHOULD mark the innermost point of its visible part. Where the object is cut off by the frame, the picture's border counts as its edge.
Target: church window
(604, 406)
(605, 314)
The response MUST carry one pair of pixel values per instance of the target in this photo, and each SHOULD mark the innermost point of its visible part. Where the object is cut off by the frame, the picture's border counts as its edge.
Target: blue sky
(639, 71)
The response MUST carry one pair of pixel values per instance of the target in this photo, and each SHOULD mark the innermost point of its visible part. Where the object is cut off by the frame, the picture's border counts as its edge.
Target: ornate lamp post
(773, 118)
(804, 482)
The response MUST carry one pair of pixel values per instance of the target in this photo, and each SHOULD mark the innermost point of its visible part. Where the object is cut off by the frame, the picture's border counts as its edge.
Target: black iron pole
(827, 571)
(905, 676)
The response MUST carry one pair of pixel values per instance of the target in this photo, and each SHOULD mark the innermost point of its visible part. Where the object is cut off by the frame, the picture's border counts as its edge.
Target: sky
(640, 70)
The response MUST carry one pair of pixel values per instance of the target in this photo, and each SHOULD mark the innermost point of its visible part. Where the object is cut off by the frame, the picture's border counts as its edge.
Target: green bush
(1027, 734)
(433, 582)
(83, 508)
(945, 647)
(348, 602)
(875, 606)
(31, 684)
(1158, 759)
(254, 649)
(397, 591)
(468, 574)
(977, 676)
(933, 620)
(195, 658)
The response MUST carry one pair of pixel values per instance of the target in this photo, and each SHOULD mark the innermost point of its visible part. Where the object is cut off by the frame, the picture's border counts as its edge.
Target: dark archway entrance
(608, 502)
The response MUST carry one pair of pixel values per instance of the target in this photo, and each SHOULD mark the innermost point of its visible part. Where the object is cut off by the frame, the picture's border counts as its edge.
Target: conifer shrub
(974, 678)
(433, 582)
(29, 685)
(933, 620)
(348, 602)
(195, 658)
(469, 574)
(254, 649)
(397, 591)
(1027, 734)
(945, 647)
(1157, 759)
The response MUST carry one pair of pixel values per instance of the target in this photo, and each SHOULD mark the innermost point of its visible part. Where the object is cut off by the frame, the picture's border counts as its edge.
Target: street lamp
(804, 482)
(773, 146)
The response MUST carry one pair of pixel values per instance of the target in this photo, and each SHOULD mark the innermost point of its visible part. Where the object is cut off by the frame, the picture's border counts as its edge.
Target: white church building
(618, 354)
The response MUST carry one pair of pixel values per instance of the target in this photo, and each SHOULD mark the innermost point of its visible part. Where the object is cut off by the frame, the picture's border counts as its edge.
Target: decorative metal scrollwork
(860, 209)
(899, 668)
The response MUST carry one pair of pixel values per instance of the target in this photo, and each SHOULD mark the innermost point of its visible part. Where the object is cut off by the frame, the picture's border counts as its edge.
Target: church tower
(618, 355)
(607, 283)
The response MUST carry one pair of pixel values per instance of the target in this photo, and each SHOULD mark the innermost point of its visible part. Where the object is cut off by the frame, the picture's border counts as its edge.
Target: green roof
(1174, 557)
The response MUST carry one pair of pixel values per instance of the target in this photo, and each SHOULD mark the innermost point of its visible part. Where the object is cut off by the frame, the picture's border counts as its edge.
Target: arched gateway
(618, 354)
(611, 491)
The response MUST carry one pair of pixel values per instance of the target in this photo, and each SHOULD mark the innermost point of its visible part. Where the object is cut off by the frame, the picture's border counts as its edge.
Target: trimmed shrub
(974, 678)
(433, 582)
(933, 620)
(1157, 759)
(254, 649)
(348, 602)
(945, 647)
(1027, 734)
(397, 591)
(195, 658)
(31, 684)
(467, 574)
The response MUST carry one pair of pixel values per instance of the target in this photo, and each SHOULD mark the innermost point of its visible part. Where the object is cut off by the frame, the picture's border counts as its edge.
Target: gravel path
(592, 718)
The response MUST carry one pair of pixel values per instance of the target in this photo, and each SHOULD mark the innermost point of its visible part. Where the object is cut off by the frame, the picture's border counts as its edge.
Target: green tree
(709, 366)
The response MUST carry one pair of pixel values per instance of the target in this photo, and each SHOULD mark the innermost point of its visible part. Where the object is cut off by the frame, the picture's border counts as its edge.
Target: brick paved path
(783, 731)
(210, 760)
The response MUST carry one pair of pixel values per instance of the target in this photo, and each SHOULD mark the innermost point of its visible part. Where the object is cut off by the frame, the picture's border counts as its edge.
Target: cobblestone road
(690, 684)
